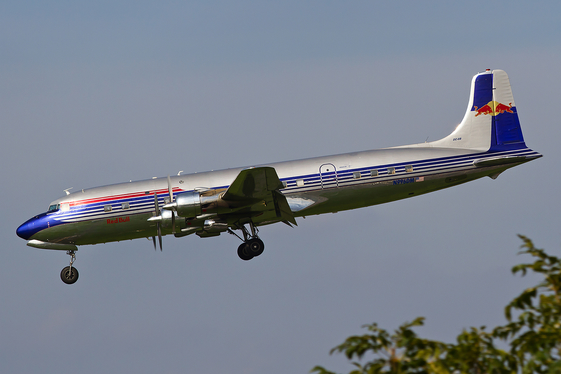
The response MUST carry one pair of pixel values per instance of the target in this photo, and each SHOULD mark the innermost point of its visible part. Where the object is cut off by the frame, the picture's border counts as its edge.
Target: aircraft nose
(27, 229)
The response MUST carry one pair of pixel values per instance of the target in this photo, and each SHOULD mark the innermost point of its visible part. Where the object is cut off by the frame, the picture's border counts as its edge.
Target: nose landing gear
(252, 246)
(69, 274)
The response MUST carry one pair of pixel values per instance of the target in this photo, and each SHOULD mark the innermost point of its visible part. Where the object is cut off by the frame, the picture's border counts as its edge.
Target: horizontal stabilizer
(500, 161)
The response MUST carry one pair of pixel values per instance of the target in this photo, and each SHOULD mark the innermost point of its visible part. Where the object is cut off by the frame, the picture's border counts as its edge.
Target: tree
(533, 335)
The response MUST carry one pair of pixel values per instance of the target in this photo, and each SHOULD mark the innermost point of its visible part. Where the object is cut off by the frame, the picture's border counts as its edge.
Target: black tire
(69, 276)
(244, 252)
(256, 246)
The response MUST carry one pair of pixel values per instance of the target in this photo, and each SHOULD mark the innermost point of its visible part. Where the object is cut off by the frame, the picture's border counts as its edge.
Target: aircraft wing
(258, 191)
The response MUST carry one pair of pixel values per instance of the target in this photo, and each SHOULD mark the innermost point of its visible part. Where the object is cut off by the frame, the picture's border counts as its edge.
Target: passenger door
(328, 176)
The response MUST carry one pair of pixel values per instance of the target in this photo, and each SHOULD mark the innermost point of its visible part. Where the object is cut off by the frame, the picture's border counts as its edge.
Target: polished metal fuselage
(312, 186)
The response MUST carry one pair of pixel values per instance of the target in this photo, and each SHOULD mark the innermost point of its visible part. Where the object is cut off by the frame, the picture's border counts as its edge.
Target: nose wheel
(252, 246)
(69, 274)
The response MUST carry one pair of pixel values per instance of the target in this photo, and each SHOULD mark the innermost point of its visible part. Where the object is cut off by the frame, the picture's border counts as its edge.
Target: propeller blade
(160, 236)
(156, 204)
(157, 207)
(170, 190)
(154, 240)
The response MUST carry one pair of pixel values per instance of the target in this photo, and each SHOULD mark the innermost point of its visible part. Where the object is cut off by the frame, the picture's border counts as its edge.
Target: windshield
(54, 208)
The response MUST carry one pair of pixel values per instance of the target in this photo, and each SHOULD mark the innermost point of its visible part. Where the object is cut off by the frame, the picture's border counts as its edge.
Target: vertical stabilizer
(491, 120)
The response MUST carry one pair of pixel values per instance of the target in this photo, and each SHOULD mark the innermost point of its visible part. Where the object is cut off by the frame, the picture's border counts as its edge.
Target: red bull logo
(118, 220)
(493, 108)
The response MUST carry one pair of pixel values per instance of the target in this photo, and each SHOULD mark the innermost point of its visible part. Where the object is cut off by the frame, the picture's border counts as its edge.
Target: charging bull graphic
(493, 108)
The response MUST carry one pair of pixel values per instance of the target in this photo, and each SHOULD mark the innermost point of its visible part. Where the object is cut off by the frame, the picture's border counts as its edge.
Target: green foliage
(401, 352)
(533, 335)
(476, 353)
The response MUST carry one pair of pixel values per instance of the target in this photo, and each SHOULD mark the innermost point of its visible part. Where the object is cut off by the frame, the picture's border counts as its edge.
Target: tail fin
(491, 120)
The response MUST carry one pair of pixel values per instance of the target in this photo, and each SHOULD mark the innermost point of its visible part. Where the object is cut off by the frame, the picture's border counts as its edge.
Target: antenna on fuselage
(66, 191)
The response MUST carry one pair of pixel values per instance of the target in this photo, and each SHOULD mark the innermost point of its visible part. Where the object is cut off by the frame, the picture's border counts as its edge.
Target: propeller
(158, 215)
(158, 219)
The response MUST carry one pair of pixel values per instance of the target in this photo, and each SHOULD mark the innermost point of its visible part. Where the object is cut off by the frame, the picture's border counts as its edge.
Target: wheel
(256, 246)
(69, 276)
(244, 252)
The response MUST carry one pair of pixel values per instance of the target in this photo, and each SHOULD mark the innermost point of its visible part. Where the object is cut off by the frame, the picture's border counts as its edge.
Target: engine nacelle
(188, 204)
(193, 203)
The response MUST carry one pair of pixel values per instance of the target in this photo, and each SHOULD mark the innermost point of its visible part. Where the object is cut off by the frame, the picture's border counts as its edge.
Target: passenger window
(356, 174)
(374, 173)
(391, 171)
(300, 182)
(125, 206)
(408, 168)
(107, 208)
(284, 184)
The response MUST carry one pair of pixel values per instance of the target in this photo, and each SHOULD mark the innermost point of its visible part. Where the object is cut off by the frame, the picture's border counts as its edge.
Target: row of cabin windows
(125, 206)
(65, 207)
(374, 173)
(358, 175)
(109, 208)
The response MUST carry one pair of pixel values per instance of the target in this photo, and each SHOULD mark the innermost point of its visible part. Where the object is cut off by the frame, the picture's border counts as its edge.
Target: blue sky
(93, 94)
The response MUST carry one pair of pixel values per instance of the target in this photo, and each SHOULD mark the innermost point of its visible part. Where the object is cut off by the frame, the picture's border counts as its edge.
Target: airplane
(487, 142)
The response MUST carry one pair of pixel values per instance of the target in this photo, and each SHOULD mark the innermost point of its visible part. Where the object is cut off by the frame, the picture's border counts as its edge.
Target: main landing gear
(69, 274)
(252, 246)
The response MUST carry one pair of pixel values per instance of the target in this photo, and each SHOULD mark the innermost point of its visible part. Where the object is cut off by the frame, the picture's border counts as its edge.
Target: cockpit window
(54, 208)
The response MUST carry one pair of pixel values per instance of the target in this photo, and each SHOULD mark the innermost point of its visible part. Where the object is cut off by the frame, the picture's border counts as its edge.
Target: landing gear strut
(252, 246)
(69, 274)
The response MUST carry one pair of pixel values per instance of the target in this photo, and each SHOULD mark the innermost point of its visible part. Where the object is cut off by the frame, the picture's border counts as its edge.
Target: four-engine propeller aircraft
(487, 142)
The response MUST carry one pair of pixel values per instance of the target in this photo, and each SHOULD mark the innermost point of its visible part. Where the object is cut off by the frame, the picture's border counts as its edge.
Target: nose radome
(25, 231)
(22, 231)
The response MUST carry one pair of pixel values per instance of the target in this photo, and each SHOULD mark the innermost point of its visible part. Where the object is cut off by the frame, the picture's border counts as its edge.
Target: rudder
(507, 132)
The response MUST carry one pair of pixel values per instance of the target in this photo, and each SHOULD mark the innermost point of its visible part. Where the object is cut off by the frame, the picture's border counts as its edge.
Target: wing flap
(282, 208)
